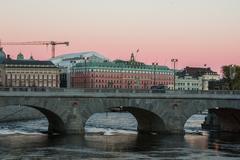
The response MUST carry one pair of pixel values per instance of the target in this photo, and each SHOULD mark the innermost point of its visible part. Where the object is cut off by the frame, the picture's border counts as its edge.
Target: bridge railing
(112, 90)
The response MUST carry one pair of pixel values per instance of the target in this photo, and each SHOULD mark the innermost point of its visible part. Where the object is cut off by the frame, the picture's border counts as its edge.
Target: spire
(31, 57)
(132, 59)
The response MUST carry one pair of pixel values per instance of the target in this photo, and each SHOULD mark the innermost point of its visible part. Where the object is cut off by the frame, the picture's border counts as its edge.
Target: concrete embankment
(18, 113)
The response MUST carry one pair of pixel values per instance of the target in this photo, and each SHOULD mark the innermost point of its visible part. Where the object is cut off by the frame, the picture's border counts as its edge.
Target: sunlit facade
(120, 74)
(28, 73)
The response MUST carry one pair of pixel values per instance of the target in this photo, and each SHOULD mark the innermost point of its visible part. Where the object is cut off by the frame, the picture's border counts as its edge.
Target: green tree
(231, 76)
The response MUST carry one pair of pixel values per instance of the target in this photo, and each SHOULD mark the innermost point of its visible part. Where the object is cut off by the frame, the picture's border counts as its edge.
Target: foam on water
(122, 146)
(108, 131)
(13, 132)
(113, 123)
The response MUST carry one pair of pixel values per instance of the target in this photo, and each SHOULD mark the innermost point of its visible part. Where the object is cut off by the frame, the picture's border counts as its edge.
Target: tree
(231, 76)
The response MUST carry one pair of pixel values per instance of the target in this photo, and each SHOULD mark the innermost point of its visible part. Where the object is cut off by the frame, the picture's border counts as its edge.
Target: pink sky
(195, 32)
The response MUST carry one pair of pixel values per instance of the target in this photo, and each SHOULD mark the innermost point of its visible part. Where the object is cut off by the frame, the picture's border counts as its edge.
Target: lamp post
(232, 74)
(70, 74)
(174, 74)
(85, 70)
(154, 74)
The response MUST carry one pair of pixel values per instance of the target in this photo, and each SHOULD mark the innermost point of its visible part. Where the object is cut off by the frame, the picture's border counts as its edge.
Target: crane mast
(46, 43)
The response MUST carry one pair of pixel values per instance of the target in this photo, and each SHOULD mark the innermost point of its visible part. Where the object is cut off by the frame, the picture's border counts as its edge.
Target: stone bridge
(67, 110)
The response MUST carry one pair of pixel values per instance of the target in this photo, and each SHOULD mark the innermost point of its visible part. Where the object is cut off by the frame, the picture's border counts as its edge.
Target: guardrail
(110, 90)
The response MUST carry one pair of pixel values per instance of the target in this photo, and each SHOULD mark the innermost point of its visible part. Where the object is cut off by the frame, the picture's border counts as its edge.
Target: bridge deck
(118, 93)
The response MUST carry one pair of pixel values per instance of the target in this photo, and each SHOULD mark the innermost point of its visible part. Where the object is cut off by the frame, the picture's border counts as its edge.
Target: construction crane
(46, 43)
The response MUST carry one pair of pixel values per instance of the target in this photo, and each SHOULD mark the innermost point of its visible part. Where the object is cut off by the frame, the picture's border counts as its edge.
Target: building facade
(27, 73)
(65, 63)
(188, 83)
(195, 78)
(120, 74)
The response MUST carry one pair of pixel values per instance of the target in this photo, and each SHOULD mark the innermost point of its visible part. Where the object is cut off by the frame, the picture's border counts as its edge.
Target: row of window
(76, 81)
(188, 84)
(121, 71)
(136, 77)
(130, 82)
(31, 72)
(127, 76)
(194, 89)
(114, 86)
(12, 76)
(31, 84)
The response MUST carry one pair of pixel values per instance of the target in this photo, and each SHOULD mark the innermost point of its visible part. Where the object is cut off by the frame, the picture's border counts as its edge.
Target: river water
(114, 136)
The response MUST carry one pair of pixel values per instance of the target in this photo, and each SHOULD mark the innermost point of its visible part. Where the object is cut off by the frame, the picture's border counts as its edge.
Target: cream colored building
(27, 73)
(209, 77)
(195, 78)
(189, 83)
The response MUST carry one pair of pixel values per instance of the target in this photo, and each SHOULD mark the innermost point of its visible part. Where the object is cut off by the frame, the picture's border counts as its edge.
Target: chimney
(8, 56)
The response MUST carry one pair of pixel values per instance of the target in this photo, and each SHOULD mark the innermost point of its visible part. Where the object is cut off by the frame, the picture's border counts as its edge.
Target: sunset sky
(196, 32)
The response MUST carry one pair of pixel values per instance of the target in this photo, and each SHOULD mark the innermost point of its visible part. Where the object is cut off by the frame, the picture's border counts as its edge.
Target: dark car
(159, 89)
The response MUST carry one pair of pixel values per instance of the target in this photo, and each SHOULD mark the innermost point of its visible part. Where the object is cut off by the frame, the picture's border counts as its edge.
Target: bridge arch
(55, 123)
(147, 120)
(224, 114)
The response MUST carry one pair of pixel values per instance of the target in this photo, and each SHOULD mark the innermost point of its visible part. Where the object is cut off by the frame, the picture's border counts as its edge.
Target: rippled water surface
(114, 136)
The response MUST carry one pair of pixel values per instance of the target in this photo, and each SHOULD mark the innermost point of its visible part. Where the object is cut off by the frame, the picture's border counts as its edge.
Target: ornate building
(27, 73)
(120, 74)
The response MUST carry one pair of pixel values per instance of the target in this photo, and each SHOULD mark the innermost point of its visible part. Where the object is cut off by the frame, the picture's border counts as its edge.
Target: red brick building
(120, 74)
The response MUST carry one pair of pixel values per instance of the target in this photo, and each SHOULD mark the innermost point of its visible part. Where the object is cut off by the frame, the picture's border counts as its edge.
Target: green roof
(120, 64)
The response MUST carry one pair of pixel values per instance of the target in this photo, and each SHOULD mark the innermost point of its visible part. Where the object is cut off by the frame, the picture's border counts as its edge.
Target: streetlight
(85, 69)
(232, 74)
(70, 74)
(232, 71)
(174, 76)
(154, 75)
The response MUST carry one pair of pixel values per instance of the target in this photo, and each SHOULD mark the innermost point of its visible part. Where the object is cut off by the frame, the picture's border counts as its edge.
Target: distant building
(195, 78)
(27, 73)
(188, 83)
(120, 74)
(69, 59)
(66, 61)
(2, 58)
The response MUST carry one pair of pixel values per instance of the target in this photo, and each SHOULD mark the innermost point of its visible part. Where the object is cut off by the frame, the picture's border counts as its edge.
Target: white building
(194, 78)
(188, 83)
(69, 59)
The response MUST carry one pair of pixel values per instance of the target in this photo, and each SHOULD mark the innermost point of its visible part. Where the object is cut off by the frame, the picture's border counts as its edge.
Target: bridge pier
(223, 120)
(73, 128)
(74, 123)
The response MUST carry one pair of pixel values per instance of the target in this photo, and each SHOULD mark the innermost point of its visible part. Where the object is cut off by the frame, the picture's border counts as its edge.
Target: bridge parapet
(110, 90)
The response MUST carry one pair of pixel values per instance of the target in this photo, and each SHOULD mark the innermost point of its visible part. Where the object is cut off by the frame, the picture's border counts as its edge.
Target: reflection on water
(118, 145)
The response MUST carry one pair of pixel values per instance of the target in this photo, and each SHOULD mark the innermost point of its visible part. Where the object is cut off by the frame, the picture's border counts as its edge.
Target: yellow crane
(46, 43)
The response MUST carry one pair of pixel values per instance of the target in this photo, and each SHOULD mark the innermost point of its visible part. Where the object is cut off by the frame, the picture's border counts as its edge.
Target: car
(159, 89)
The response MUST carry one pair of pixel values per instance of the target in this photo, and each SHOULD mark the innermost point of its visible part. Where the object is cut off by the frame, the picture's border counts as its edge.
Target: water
(114, 136)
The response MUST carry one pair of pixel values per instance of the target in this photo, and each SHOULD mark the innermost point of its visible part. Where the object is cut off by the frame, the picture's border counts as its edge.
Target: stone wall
(18, 113)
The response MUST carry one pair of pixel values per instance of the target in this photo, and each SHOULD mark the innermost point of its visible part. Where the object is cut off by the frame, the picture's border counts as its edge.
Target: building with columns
(27, 73)
(120, 74)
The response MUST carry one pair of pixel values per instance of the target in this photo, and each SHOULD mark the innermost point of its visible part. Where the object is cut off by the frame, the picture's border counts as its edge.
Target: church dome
(20, 56)
(2, 55)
